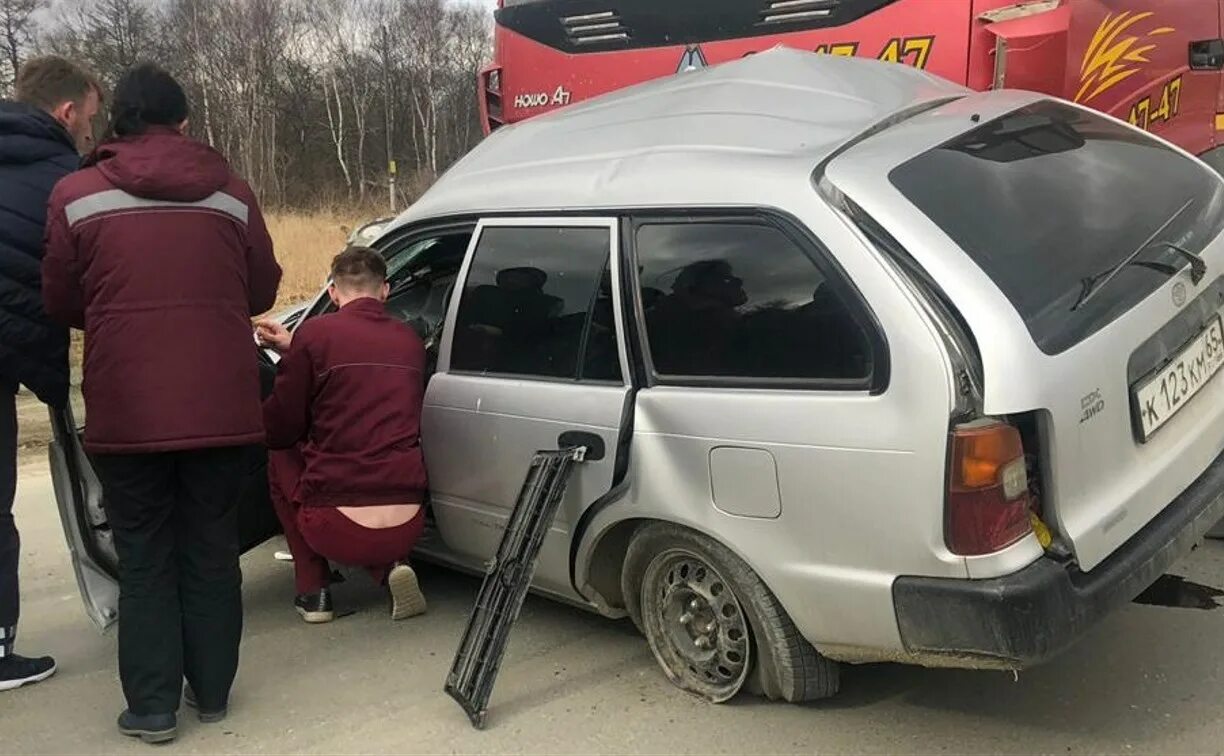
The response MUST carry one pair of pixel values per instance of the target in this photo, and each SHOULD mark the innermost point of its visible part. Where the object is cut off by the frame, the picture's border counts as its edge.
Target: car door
(78, 495)
(422, 266)
(534, 358)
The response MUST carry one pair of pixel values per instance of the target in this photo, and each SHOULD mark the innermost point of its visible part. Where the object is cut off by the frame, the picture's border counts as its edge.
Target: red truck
(1157, 63)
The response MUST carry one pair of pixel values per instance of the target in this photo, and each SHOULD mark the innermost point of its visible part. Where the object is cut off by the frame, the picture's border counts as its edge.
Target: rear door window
(1050, 199)
(536, 300)
(739, 300)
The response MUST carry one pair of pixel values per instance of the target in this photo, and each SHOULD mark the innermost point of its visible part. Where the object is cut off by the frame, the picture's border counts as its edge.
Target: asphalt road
(1150, 679)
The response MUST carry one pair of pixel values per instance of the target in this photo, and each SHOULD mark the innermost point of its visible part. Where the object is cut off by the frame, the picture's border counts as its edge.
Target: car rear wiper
(1089, 283)
(1198, 268)
(1094, 284)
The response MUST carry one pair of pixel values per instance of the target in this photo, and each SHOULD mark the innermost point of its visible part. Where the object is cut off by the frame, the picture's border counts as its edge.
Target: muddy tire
(713, 625)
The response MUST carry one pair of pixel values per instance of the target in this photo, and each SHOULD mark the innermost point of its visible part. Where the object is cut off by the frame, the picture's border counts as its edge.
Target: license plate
(1161, 396)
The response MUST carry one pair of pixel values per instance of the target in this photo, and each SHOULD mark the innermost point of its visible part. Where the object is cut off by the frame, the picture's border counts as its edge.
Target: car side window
(601, 361)
(742, 300)
(534, 299)
(422, 278)
(421, 275)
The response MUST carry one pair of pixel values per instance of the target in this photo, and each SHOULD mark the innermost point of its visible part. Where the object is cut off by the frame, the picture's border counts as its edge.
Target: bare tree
(16, 34)
(309, 99)
(343, 31)
(109, 36)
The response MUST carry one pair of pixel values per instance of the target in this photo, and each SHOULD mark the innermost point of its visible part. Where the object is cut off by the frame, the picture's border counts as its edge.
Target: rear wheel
(713, 625)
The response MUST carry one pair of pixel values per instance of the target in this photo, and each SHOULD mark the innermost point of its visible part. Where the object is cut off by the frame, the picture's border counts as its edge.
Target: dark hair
(359, 268)
(147, 95)
(51, 81)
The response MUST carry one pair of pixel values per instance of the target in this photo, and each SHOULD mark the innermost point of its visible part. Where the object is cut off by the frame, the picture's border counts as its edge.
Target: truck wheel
(713, 625)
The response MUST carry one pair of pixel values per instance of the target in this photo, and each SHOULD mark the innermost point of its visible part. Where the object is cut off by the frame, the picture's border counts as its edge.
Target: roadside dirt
(34, 423)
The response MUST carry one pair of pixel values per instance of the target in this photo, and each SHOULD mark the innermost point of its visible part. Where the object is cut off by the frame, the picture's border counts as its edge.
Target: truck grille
(603, 27)
(790, 11)
(596, 26)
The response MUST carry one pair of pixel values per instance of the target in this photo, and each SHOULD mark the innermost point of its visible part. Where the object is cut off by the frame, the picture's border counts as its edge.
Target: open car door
(91, 544)
(423, 266)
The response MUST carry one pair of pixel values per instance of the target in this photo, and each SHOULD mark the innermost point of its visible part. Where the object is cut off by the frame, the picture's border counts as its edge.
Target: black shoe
(207, 717)
(16, 671)
(151, 728)
(315, 608)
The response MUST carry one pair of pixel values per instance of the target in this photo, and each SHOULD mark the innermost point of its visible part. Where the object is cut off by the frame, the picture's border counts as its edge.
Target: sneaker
(406, 597)
(16, 671)
(207, 717)
(315, 608)
(151, 728)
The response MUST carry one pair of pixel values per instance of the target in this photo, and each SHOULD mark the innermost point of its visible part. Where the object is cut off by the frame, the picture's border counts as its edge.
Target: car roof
(684, 139)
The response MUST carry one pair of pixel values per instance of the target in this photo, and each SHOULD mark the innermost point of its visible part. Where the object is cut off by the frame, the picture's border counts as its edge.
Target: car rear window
(1049, 199)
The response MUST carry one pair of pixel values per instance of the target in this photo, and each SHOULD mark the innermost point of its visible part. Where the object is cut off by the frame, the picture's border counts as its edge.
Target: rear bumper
(1025, 618)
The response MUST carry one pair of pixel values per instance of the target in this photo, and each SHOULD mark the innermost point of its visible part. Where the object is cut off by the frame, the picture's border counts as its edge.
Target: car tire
(713, 625)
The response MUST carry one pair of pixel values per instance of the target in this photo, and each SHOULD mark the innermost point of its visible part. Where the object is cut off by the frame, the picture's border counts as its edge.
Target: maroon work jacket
(349, 393)
(159, 252)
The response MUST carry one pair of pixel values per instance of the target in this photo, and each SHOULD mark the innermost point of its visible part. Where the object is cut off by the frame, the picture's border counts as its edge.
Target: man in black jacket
(42, 135)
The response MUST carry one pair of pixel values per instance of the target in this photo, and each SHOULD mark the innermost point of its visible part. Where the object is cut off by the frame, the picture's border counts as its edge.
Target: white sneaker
(406, 597)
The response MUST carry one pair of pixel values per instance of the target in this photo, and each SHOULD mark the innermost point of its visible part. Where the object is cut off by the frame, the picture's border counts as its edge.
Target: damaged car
(868, 367)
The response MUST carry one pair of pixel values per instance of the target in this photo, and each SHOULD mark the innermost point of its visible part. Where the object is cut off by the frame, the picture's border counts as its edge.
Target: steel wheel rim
(701, 630)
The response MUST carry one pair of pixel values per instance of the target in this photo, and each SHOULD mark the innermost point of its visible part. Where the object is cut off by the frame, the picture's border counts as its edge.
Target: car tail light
(988, 491)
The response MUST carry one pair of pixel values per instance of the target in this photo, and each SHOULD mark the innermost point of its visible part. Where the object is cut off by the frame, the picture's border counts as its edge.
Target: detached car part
(501, 596)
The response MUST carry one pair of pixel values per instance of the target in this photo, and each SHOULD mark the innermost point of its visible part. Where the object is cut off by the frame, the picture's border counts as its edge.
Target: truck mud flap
(501, 596)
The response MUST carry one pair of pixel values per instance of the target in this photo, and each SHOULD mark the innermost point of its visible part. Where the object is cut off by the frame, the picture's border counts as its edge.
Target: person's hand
(272, 335)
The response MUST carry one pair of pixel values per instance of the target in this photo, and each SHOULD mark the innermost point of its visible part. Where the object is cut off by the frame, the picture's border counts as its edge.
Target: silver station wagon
(869, 367)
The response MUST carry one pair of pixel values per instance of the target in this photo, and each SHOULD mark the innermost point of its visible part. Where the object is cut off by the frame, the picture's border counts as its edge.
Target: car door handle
(594, 443)
(1207, 55)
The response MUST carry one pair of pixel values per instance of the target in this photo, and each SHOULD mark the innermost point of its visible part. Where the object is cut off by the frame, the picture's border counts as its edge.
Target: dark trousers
(175, 520)
(10, 542)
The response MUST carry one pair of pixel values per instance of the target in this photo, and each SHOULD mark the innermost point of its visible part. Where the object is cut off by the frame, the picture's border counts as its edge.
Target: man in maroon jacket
(159, 252)
(347, 475)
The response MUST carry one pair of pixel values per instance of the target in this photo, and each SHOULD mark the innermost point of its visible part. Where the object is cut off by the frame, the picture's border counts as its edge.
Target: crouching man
(346, 472)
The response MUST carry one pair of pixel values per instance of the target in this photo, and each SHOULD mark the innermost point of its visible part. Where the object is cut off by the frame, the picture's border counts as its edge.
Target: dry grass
(305, 244)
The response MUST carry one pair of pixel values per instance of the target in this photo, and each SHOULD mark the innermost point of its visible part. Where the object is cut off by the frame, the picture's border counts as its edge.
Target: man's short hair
(359, 268)
(50, 81)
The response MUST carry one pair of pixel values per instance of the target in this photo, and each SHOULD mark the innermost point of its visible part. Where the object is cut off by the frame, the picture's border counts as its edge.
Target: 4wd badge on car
(1091, 405)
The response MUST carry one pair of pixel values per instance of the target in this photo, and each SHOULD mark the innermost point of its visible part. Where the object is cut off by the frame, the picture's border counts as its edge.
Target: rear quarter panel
(861, 477)
(1104, 485)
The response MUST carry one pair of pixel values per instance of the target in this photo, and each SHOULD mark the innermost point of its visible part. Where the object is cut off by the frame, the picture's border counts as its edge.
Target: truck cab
(1158, 64)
